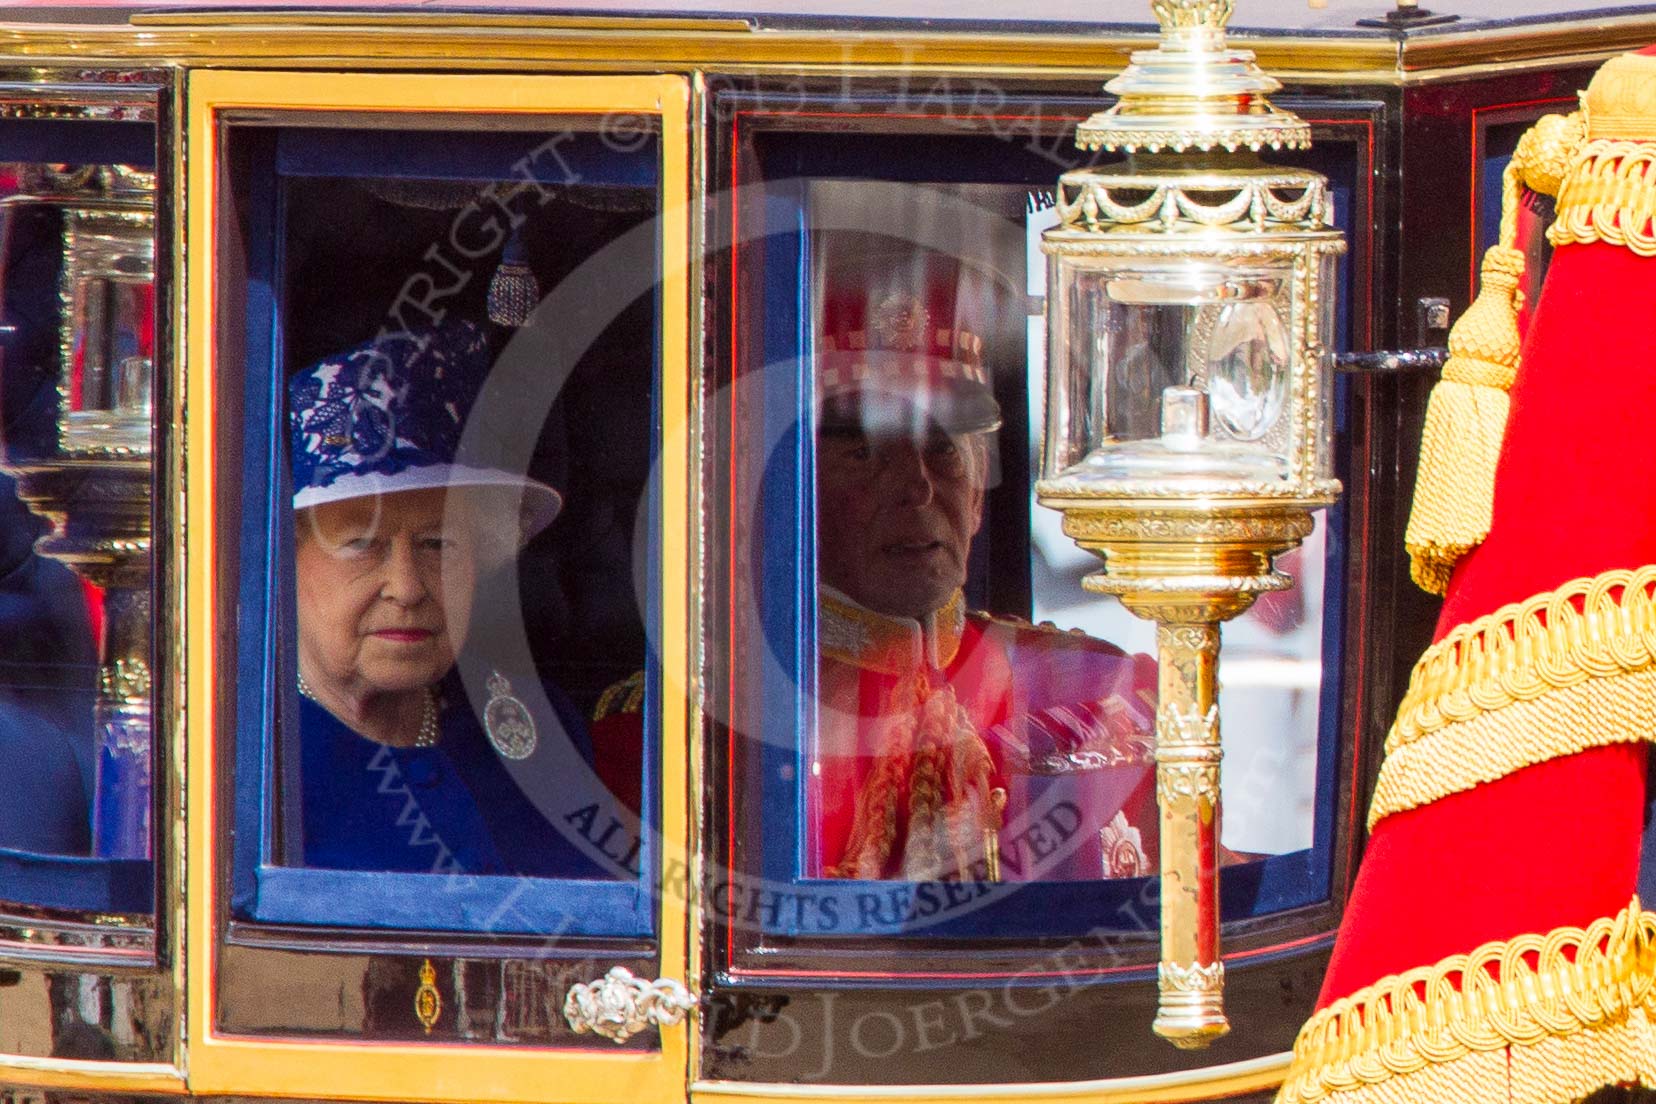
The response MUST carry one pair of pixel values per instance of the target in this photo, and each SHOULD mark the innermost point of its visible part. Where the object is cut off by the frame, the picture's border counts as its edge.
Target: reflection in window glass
(953, 739)
(465, 495)
(950, 742)
(77, 287)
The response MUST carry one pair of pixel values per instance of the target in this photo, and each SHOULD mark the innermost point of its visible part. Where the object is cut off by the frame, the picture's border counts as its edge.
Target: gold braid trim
(1466, 417)
(1567, 670)
(1538, 1019)
(1616, 710)
(1610, 196)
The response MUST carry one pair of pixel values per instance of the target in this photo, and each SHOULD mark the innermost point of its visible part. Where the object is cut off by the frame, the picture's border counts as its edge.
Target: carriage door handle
(619, 1005)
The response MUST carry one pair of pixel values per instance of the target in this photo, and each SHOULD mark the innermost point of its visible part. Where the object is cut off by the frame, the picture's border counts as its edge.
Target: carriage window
(462, 364)
(973, 755)
(77, 365)
(956, 741)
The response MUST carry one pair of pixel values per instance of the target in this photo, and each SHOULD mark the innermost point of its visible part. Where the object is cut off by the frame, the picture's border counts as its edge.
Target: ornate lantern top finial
(1193, 92)
(1187, 15)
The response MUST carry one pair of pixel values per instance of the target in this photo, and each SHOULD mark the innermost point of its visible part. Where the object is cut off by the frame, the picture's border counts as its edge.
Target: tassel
(514, 291)
(1466, 416)
(1465, 420)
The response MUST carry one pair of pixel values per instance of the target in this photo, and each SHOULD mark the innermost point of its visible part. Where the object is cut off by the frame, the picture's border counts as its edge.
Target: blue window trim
(507, 156)
(264, 886)
(788, 570)
(79, 883)
(79, 141)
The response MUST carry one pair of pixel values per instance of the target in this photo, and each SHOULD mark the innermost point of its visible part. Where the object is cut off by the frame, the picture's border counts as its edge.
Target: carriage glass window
(959, 737)
(77, 370)
(975, 731)
(459, 353)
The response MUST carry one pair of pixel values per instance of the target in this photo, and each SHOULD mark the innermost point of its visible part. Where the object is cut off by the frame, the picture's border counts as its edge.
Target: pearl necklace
(427, 736)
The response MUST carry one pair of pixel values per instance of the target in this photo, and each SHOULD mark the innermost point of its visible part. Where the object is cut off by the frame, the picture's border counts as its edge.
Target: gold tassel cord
(1465, 421)
(1467, 413)
(1546, 153)
(1564, 671)
(1538, 1019)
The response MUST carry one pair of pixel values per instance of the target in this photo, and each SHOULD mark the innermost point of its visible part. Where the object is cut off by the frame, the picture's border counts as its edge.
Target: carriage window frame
(269, 892)
(289, 1062)
(1276, 886)
(110, 891)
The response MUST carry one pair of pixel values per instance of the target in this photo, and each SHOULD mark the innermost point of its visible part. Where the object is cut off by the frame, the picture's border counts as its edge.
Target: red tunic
(947, 748)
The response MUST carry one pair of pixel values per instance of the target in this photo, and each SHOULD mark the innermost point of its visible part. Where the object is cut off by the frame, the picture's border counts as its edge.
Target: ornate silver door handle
(619, 1005)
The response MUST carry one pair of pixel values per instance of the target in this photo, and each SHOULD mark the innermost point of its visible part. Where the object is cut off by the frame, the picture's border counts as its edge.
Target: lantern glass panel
(109, 331)
(1130, 327)
(1322, 466)
(111, 326)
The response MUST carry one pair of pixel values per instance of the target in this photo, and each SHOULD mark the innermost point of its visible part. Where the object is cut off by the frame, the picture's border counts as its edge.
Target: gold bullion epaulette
(626, 696)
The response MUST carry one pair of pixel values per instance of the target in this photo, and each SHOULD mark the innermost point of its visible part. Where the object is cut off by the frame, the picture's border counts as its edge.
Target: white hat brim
(541, 503)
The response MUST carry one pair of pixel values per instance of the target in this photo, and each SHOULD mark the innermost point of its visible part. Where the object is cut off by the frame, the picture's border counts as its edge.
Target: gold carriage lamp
(1190, 305)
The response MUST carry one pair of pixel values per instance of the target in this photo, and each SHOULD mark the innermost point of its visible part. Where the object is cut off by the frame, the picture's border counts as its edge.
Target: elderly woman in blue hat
(392, 535)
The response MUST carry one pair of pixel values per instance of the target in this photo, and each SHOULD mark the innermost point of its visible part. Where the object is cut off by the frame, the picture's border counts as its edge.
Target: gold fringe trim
(1565, 670)
(1538, 1019)
(1466, 416)
(1610, 196)
(1465, 421)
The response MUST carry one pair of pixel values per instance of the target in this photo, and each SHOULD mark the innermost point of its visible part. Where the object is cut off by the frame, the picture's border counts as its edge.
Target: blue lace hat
(388, 416)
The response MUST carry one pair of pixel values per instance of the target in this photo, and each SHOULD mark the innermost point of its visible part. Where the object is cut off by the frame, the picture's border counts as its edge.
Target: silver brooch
(507, 722)
(1123, 845)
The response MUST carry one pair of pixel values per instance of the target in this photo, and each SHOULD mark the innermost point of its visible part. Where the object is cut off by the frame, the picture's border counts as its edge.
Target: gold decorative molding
(1185, 15)
(1187, 753)
(1191, 979)
(1185, 1086)
(1198, 638)
(1150, 523)
(311, 39)
(1190, 1009)
(1200, 201)
(1562, 1013)
(127, 677)
(381, 40)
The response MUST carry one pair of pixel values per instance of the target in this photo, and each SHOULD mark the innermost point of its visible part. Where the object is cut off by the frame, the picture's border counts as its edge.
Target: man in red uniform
(949, 744)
